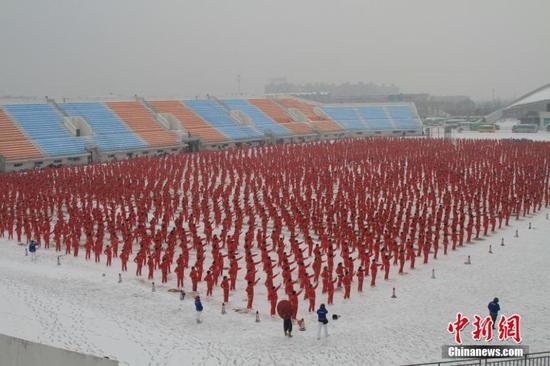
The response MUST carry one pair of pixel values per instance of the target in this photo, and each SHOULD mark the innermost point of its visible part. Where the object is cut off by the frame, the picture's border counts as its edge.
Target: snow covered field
(81, 306)
(73, 306)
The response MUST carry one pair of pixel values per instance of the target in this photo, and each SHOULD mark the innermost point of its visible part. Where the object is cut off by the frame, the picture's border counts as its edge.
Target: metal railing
(529, 359)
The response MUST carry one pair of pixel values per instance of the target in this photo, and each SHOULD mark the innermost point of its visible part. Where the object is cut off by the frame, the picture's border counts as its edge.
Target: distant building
(438, 106)
(333, 93)
(427, 105)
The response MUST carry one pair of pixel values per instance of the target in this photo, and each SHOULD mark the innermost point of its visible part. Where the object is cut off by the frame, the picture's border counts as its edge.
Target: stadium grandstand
(532, 108)
(54, 134)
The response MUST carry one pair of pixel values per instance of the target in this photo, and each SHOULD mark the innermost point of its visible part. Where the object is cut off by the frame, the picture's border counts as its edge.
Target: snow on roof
(537, 95)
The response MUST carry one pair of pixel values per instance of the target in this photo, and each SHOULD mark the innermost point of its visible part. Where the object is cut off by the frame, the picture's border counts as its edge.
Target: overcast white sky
(183, 48)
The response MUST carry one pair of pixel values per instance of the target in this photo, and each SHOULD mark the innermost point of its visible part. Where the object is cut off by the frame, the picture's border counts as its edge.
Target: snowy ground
(75, 306)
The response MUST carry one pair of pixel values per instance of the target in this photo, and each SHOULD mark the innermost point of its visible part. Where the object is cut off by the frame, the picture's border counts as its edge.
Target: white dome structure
(533, 107)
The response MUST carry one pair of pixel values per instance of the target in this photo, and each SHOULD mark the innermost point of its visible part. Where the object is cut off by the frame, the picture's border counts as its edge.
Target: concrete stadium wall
(96, 155)
(19, 352)
(105, 156)
(19, 165)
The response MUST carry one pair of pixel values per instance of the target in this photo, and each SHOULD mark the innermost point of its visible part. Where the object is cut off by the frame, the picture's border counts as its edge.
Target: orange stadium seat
(14, 145)
(321, 123)
(189, 120)
(306, 109)
(140, 120)
(278, 114)
(272, 110)
(299, 128)
(326, 126)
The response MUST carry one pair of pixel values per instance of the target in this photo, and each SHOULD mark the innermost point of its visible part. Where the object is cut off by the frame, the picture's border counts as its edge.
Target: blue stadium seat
(376, 118)
(215, 114)
(261, 120)
(43, 124)
(346, 116)
(110, 132)
(402, 117)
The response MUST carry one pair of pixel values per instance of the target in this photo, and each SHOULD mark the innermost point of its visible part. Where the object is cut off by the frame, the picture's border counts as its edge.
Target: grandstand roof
(537, 95)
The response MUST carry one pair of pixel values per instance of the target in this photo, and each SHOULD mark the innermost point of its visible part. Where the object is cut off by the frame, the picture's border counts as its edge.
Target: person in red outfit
(360, 277)
(180, 271)
(374, 271)
(293, 299)
(250, 293)
(346, 280)
(194, 276)
(124, 261)
(151, 267)
(109, 253)
(386, 264)
(209, 278)
(330, 291)
(225, 286)
(310, 295)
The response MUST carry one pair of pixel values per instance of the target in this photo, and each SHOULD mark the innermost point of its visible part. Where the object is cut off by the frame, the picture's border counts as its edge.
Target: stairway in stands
(376, 118)
(111, 133)
(403, 117)
(44, 125)
(138, 118)
(322, 124)
(261, 120)
(189, 120)
(346, 116)
(218, 116)
(14, 145)
(280, 116)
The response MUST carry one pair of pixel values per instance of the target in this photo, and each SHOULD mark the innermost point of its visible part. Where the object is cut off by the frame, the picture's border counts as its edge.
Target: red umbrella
(284, 309)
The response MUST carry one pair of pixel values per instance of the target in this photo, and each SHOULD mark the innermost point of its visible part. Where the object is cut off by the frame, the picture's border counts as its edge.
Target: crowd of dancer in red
(301, 220)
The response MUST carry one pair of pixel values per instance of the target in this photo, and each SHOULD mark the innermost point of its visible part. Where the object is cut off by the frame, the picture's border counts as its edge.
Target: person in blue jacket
(323, 321)
(32, 250)
(198, 308)
(494, 308)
